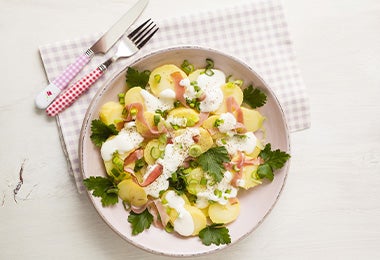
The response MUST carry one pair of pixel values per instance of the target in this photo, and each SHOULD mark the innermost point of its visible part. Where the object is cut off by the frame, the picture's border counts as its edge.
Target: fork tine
(141, 44)
(133, 33)
(141, 35)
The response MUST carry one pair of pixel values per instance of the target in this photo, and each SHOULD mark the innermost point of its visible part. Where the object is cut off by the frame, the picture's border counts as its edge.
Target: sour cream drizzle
(164, 102)
(126, 140)
(225, 191)
(184, 223)
(174, 156)
(210, 86)
(245, 143)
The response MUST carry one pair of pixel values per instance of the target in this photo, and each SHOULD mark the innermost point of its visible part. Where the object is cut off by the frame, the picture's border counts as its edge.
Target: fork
(127, 47)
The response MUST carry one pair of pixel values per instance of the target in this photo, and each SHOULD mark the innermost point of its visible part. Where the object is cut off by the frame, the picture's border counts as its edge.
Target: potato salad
(178, 145)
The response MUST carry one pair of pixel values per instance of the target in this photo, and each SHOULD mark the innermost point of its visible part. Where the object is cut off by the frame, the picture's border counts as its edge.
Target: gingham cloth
(255, 32)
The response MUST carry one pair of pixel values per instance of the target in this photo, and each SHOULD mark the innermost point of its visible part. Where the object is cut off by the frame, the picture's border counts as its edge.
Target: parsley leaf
(101, 131)
(134, 78)
(215, 234)
(104, 188)
(272, 160)
(212, 161)
(140, 221)
(254, 97)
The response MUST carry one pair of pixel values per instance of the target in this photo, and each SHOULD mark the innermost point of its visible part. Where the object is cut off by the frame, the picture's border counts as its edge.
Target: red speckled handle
(73, 93)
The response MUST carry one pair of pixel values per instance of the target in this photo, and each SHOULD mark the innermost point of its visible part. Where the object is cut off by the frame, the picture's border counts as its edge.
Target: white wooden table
(330, 207)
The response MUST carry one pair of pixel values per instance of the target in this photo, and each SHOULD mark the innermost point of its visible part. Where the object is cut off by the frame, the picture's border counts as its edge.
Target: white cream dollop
(210, 86)
(219, 192)
(126, 140)
(184, 223)
(164, 102)
(244, 143)
(228, 122)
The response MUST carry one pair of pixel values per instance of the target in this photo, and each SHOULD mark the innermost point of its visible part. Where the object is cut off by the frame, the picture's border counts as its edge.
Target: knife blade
(102, 45)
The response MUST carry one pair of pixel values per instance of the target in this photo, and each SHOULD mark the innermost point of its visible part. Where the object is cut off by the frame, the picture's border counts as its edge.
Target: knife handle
(75, 91)
(46, 96)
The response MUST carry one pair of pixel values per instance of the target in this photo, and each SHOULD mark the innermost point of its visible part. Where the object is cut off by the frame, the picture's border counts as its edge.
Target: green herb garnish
(212, 161)
(103, 188)
(272, 160)
(215, 234)
(140, 222)
(101, 131)
(254, 97)
(134, 78)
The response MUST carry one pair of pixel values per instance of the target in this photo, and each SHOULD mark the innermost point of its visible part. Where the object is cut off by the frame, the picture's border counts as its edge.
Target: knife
(102, 45)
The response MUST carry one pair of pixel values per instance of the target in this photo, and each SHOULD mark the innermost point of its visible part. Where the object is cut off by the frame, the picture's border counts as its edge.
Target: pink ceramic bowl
(255, 203)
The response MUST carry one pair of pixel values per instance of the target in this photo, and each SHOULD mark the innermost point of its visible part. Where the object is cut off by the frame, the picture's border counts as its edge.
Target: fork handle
(49, 93)
(75, 91)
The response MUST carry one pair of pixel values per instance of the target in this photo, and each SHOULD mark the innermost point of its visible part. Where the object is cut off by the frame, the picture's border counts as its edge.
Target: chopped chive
(156, 119)
(187, 67)
(157, 78)
(121, 98)
(218, 122)
(203, 181)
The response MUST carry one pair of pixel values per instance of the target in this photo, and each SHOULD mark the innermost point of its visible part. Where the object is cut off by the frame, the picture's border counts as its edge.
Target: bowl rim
(105, 86)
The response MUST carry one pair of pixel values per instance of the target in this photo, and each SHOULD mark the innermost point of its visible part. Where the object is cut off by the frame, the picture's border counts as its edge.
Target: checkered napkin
(256, 32)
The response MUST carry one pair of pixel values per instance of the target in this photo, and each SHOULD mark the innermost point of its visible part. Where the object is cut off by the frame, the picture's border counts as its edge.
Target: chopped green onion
(169, 228)
(133, 111)
(176, 103)
(157, 78)
(139, 164)
(115, 172)
(218, 122)
(190, 122)
(124, 112)
(238, 82)
(210, 63)
(203, 181)
(156, 119)
(117, 162)
(209, 72)
(155, 152)
(218, 193)
(175, 127)
(163, 139)
(187, 67)
(195, 150)
(121, 98)
(236, 168)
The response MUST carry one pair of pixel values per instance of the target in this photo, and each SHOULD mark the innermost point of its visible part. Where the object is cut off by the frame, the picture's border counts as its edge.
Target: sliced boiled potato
(249, 179)
(152, 151)
(205, 140)
(230, 90)
(112, 113)
(133, 95)
(161, 79)
(199, 219)
(253, 120)
(209, 123)
(132, 193)
(192, 117)
(224, 214)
